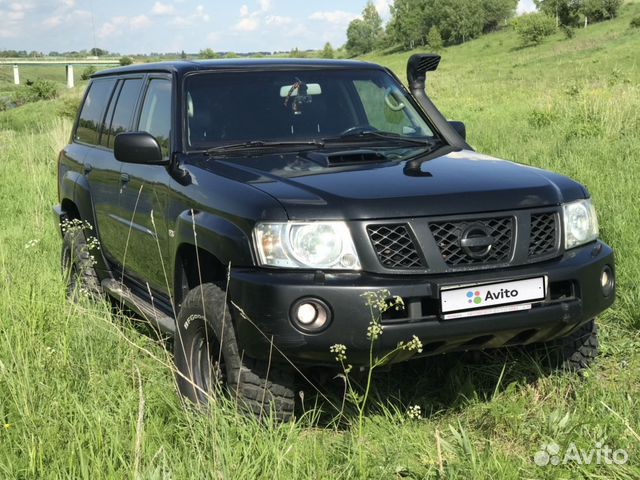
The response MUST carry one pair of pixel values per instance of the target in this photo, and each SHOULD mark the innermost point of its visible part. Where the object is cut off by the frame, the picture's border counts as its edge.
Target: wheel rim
(208, 369)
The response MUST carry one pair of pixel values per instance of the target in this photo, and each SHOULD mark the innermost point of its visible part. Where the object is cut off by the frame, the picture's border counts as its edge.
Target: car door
(145, 192)
(100, 169)
(119, 118)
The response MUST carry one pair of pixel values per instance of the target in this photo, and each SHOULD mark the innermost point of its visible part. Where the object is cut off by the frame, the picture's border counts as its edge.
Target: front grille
(394, 246)
(448, 235)
(544, 234)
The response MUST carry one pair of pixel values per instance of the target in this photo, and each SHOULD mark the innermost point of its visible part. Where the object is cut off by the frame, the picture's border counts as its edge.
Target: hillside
(87, 393)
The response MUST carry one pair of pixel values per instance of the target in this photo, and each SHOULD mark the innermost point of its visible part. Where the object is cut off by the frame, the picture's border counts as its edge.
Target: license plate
(472, 299)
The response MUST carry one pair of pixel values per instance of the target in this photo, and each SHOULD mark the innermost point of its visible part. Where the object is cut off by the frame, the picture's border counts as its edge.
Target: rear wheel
(208, 360)
(78, 266)
(575, 352)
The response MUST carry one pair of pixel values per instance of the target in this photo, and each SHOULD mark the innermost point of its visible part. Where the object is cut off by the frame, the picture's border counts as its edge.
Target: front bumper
(266, 296)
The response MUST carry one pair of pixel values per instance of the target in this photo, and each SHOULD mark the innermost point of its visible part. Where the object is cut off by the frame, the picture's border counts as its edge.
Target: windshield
(300, 105)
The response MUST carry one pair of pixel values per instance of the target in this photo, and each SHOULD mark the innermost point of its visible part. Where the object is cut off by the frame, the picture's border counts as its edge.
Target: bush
(327, 51)
(534, 27)
(38, 90)
(568, 31)
(69, 107)
(44, 90)
(635, 22)
(124, 61)
(87, 72)
(434, 39)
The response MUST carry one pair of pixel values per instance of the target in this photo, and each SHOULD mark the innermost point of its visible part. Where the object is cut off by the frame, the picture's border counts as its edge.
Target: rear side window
(93, 109)
(156, 112)
(123, 113)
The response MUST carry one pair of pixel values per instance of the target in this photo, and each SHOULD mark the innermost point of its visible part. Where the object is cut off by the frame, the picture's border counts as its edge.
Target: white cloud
(69, 3)
(16, 15)
(65, 18)
(383, 8)
(525, 6)
(140, 22)
(338, 17)
(200, 15)
(265, 5)
(162, 9)
(278, 21)
(53, 22)
(244, 11)
(247, 24)
(119, 24)
(107, 29)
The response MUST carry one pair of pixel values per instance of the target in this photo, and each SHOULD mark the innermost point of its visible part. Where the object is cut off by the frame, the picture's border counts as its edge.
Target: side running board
(142, 307)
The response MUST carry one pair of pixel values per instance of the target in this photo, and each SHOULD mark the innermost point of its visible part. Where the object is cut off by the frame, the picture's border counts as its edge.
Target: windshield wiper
(261, 145)
(373, 135)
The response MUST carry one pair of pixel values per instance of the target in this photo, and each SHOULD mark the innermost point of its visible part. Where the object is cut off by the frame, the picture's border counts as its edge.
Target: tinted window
(156, 112)
(229, 107)
(123, 114)
(386, 109)
(93, 110)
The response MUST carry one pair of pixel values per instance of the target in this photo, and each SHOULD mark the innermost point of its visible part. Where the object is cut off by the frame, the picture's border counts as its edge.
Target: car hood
(453, 183)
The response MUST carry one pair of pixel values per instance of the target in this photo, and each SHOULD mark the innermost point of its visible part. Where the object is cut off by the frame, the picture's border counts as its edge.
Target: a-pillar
(70, 83)
(16, 75)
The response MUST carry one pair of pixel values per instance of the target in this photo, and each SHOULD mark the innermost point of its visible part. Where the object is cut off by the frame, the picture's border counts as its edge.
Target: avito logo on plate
(474, 297)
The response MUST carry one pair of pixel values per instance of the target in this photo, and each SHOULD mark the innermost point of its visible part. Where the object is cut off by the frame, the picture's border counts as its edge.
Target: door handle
(124, 178)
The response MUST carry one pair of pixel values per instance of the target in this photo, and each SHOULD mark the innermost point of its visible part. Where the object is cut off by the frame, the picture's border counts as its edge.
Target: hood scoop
(350, 157)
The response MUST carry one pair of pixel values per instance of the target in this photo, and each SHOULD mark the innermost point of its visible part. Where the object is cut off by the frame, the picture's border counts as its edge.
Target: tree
(534, 27)
(366, 33)
(297, 53)
(183, 55)
(327, 51)
(564, 11)
(358, 39)
(207, 54)
(124, 61)
(98, 52)
(408, 25)
(497, 12)
(459, 20)
(372, 19)
(434, 40)
(599, 10)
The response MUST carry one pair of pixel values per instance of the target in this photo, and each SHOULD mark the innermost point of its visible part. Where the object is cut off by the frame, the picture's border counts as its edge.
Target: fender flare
(215, 234)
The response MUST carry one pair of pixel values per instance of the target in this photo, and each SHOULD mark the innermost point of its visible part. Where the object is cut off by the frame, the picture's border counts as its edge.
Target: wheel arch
(207, 246)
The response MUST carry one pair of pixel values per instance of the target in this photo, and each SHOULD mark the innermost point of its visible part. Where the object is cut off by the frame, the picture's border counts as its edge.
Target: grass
(86, 394)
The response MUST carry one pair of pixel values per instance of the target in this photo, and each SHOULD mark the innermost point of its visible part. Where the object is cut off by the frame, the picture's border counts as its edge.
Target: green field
(85, 394)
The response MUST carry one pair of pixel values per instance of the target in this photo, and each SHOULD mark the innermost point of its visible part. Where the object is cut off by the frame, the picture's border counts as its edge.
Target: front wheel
(208, 361)
(575, 352)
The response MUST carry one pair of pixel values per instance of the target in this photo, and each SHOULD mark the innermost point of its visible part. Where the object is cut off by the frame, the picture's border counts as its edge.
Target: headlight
(580, 223)
(325, 245)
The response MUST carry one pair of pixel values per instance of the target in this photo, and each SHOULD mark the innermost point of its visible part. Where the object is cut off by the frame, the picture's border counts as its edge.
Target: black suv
(246, 206)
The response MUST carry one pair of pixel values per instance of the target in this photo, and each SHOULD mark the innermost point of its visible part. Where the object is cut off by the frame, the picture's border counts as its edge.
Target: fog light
(607, 281)
(307, 313)
(310, 314)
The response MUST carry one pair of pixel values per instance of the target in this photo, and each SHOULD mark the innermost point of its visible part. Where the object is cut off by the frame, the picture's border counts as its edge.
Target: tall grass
(85, 393)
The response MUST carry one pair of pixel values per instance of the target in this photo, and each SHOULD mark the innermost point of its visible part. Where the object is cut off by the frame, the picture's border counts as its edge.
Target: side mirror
(460, 128)
(138, 147)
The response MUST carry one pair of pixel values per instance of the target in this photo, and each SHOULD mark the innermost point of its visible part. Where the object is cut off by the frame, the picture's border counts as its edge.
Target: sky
(145, 26)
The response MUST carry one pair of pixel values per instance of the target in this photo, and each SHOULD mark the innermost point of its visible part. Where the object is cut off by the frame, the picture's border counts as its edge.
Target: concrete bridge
(16, 62)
